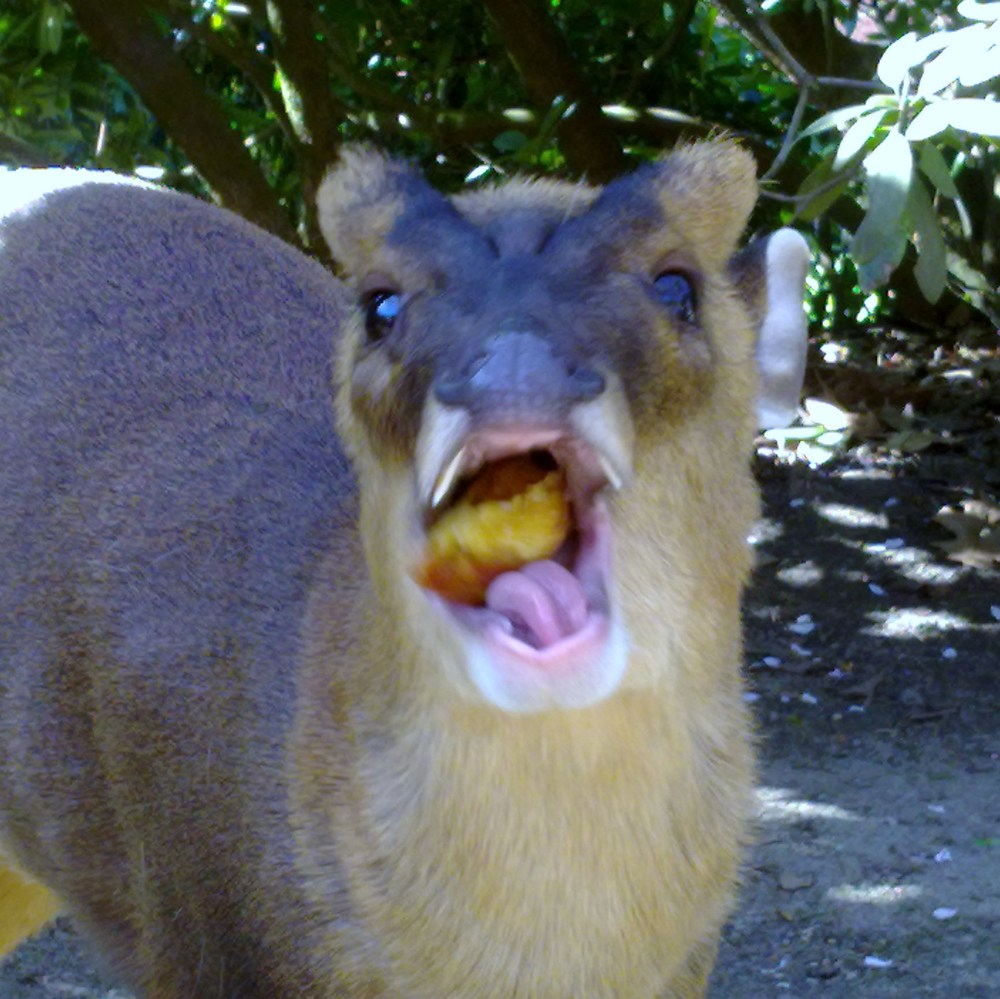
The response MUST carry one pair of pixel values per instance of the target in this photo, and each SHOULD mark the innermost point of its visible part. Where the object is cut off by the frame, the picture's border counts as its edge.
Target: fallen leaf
(910, 441)
(826, 414)
(976, 526)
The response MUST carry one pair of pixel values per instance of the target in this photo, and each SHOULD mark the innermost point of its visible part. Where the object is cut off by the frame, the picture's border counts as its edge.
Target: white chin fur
(524, 688)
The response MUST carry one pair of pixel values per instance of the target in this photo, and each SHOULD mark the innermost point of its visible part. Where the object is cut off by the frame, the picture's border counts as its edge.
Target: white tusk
(614, 479)
(447, 478)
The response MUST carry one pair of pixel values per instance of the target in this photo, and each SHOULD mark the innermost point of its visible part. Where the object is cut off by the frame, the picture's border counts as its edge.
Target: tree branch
(256, 68)
(123, 33)
(309, 99)
(549, 71)
(683, 12)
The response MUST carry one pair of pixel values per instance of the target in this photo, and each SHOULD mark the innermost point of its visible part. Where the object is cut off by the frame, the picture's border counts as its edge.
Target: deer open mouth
(518, 543)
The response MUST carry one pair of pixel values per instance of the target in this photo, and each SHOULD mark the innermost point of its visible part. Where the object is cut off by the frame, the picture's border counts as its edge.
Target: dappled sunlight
(909, 622)
(779, 804)
(766, 530)
(874, 894)
(847, 515)
(801, 575)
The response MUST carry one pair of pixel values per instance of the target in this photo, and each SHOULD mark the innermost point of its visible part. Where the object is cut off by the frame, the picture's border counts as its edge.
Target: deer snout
(515, 371)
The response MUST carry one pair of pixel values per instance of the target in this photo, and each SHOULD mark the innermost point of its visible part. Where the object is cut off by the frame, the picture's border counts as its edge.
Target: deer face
(535, 380)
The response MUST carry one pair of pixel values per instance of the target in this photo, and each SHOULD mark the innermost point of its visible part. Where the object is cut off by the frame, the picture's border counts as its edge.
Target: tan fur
(301, 791)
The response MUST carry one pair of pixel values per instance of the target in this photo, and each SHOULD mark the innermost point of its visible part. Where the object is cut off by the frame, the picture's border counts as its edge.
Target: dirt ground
(874, 665)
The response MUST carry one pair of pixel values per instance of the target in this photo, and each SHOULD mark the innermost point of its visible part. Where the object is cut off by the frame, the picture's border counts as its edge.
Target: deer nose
(515, 370)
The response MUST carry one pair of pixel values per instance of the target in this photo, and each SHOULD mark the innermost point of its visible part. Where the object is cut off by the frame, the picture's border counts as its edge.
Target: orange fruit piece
(514, 512)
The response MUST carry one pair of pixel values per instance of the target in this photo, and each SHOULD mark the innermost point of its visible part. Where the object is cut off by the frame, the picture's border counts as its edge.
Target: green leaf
(969, 114)
(856, 136)
(510, 141)
(814, 207)
(910, 441)
(931, 270)
(50, 27)
(811, 206)
(935, 168)
(785, 434)
(880, 242)
(835, 119)
(882, 101)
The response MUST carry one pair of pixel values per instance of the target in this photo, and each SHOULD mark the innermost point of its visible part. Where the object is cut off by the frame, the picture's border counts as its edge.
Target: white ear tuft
(783, 338)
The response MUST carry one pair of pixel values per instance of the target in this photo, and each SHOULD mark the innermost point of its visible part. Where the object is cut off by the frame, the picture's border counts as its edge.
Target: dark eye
(381, 309)
(676, 292)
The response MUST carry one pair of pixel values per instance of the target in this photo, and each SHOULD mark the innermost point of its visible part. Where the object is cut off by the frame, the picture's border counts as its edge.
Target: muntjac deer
(459, 716)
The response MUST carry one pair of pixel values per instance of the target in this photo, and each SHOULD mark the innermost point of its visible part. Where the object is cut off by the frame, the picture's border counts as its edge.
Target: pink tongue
(543, 601)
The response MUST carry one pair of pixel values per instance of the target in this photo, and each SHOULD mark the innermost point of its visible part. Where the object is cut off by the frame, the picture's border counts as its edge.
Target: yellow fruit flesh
(513, 513)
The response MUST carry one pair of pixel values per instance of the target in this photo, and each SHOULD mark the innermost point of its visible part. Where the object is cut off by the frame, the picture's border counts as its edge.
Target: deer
(378, 635)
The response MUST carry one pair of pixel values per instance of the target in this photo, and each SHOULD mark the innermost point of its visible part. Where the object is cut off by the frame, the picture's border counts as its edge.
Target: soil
(874, 666)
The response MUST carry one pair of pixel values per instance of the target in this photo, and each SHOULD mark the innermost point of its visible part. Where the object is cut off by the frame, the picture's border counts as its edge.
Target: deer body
(242, 747)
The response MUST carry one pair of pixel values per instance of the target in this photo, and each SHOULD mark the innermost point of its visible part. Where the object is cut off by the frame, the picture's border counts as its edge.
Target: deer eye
(382, 307)
(676, 292)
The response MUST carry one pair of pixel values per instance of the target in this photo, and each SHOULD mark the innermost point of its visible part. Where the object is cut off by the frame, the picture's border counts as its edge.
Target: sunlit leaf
(976, 11)
(931, 270)
(816, 454)
(969, 114)
(882, 101)
(835, 119)
(969, 50)
(826, 414)
(879, 243)
(896, 61)
(783, 435)
(905, 53)
(856, 136)
(477, 172)
(983, 67)
(51, 19)
(833, 438)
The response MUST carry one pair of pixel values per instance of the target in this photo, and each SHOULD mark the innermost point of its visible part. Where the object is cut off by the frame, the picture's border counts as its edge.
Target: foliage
(60, 104)
(249, 101)
(909, 145)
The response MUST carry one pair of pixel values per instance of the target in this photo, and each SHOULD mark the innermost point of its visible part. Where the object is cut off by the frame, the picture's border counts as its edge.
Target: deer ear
(359, 200)
(710, 188)
(375, 211)
(771, 274)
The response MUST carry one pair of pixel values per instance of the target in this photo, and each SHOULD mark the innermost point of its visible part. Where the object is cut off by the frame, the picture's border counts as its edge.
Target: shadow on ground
(874, 664)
